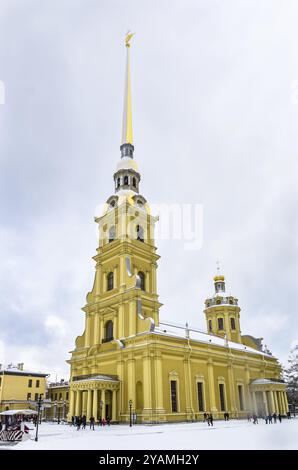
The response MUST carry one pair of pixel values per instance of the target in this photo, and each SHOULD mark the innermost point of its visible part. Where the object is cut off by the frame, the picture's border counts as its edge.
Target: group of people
(81, 422)
(270, 418)
(208, 418)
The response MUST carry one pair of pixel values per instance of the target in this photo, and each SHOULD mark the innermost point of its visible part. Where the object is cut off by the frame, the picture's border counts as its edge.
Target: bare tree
(291, 376)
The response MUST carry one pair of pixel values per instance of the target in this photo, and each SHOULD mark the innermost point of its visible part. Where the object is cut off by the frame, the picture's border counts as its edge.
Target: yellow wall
(16, 387)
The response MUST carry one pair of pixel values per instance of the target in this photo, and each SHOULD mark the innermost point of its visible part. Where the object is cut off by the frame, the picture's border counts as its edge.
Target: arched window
(220, 323)
(210, 325)
(108, 332)
(134, 182)
(110, 281)
(126, 180)
(233, 325)
(142, 279)
(140, 233)
(112, 234)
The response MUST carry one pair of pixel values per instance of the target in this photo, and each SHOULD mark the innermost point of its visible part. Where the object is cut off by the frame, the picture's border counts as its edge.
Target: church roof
(177, 331)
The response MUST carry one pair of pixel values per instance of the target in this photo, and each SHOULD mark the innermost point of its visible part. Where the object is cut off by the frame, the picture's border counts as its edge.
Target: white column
(265, 403)
(114, 405)
(89, 404)
(103, 399)
(78, 402)
(95, 404)
(71, 404)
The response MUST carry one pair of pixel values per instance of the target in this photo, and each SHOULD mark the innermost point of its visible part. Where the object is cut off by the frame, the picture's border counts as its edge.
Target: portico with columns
(94, 396)
(269, 396)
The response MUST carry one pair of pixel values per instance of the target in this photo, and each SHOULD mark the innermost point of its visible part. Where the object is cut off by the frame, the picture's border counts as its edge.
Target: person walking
(274, 417)
(92, 421)
(248, 417)
(79, 422)
(270, 418)
(108, 420)
(210, 420)
(205, 417)
(279, 417)
(84, 422)
(72, 421)
(255, 419)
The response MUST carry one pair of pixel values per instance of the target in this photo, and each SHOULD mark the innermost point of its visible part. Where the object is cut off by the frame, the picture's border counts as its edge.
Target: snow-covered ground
(223, 435)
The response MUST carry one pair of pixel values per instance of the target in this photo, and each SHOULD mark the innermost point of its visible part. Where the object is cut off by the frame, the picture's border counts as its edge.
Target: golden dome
(219, 277)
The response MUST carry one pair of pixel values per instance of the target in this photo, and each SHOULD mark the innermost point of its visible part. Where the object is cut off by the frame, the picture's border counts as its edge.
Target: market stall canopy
(18, 412)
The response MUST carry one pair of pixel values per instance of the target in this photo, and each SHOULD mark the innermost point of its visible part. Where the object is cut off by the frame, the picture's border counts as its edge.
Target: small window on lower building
(233, 325)
(210, 325)
(37, 383)
(174, 396)
(36, 397)
(66, 395)
(30, 383)
(28, 396)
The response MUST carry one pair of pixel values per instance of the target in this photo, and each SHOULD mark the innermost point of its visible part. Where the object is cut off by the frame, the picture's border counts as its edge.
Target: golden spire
(127, 137)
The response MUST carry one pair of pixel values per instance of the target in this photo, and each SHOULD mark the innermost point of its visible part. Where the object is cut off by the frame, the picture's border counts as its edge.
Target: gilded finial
(218, 277)
(128, 37)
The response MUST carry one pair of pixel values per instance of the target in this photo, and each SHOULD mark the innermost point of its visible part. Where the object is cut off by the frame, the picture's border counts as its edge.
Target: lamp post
(130, 416)
(39, 403)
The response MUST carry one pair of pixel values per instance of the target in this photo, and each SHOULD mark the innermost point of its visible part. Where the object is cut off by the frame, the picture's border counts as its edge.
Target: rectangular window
(28, 396)
(200, 396)
(30, 383)
(36, 396)
(222, 397)
(174, 396)
(66, 395)
(60, 396)
(240, 394)
(37, 383)
(0, 381)
(220, 323)
(55, 396)
(233, 326)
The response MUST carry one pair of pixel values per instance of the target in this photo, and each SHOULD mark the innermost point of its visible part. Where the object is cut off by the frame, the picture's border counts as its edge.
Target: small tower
(222, 312)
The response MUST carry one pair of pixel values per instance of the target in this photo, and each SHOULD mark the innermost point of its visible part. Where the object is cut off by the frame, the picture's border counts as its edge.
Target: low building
(58, 393)
(19, 387)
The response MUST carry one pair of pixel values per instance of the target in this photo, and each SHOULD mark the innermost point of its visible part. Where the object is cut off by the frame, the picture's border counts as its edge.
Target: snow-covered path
(224, 435)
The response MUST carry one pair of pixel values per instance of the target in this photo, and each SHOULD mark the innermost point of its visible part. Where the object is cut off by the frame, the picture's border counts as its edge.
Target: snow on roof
(18, 412)
(99, 378)
(16, 370)
(221, 293)
(265, 381)
(201, 337)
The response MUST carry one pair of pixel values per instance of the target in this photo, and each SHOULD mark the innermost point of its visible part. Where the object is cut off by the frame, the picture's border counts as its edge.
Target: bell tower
(222, 312)
(124, 293)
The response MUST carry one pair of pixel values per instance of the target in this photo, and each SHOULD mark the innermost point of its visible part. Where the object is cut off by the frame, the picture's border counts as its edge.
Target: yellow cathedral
(127, 359)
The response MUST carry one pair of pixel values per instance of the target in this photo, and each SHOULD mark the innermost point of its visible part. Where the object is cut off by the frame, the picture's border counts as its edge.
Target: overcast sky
(215, 117)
